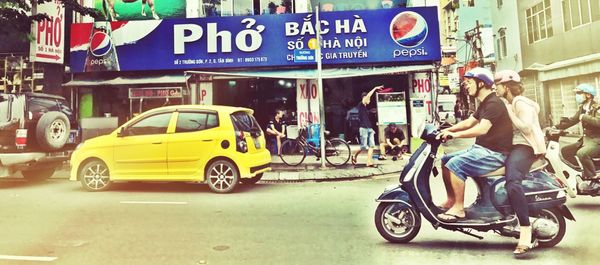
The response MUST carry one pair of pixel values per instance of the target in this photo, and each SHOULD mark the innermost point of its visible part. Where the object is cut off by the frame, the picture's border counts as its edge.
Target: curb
(331, 174)
(306, 173)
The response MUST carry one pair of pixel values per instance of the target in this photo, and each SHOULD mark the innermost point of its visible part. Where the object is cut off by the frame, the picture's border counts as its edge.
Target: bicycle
(293, 151)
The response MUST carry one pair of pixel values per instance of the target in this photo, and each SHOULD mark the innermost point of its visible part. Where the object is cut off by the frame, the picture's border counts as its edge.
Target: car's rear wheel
(38, 174)
(95, 176)
(52, 130)
(253, 180)
(222, 176)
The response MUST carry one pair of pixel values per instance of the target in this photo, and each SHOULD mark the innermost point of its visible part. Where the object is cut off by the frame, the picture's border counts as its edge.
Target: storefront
(252, 61)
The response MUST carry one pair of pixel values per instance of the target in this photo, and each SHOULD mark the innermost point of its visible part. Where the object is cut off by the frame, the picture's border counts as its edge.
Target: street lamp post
(320, 88)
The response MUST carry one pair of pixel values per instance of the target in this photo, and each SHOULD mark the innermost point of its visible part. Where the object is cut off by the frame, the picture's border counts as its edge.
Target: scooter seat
(537, 165)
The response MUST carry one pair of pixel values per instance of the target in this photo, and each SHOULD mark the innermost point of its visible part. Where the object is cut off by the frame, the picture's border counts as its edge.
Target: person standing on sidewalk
(528, 144)
(366, 132)
(588, 146)
(276, 132)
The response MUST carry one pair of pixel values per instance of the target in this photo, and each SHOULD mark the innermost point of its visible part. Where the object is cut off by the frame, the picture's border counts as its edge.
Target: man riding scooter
(493, 129)
(588, 146)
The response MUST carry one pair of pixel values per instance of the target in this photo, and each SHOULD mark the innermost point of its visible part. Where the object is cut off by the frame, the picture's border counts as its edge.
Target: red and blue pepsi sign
(387, 36)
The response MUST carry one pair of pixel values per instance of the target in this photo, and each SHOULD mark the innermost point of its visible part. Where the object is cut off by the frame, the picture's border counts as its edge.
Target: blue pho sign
(349, 37)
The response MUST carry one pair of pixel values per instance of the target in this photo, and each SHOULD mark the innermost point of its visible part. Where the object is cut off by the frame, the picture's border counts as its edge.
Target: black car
(36, 122)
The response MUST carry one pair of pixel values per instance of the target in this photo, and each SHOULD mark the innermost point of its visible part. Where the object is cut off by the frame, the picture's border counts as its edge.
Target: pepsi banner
(348, 37)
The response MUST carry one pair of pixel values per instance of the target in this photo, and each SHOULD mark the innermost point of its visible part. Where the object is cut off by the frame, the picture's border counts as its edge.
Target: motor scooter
(398, 215)
(569, 174)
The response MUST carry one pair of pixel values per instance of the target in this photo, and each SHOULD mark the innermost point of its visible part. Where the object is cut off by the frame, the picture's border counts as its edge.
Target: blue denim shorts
(367, 138)
(474, 161)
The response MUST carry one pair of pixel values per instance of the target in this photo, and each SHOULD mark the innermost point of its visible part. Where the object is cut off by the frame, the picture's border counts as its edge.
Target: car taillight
(240, 142)
(21, 138)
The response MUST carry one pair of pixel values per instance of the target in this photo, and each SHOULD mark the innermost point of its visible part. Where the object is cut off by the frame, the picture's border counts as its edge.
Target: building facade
(559, 45)
(270, 78)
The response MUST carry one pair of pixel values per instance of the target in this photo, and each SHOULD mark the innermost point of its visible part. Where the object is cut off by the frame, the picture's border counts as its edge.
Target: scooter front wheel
(397, 222)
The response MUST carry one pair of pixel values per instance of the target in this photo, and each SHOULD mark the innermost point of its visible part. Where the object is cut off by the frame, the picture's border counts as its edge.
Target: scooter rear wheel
(397, 222)
(551, 229)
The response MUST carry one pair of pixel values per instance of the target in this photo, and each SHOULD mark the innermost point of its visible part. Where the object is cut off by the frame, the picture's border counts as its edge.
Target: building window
(499, 3)
(579, 12)
(276, 6)
(501, 52)
(539, 22)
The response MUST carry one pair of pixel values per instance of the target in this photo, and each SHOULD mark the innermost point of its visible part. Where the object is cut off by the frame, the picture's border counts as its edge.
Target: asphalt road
(57, 222)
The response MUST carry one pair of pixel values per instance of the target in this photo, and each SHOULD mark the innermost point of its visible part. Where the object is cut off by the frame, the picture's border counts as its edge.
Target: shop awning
(130, 80)
(327, 73)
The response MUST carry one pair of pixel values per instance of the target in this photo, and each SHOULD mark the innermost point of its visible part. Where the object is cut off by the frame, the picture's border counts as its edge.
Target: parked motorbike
(398, 215)
(569, 174)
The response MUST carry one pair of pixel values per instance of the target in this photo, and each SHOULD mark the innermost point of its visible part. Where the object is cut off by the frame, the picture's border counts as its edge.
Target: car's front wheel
(95, 176)
(222, 176)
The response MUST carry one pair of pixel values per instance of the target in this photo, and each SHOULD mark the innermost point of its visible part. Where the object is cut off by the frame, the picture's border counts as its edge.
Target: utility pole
(473, 38)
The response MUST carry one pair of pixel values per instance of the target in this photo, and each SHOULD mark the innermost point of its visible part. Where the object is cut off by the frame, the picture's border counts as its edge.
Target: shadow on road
(585, 206)
(176, 187)
(476, 247)
(8, 183)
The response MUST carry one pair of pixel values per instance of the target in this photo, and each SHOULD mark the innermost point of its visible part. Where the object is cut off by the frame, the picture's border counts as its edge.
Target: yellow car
(217, 145)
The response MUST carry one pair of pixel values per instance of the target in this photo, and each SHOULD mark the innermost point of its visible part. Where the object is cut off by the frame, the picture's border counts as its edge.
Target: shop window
(156, 124)
(195, 121)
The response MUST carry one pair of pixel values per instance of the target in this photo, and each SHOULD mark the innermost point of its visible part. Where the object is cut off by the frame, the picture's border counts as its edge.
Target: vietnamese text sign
(49, 34)
(349, 37)
(167, 92)
(307, 101)
(301, 56)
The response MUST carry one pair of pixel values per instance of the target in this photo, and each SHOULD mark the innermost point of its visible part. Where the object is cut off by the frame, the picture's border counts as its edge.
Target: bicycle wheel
(292, 152)
(337, 152)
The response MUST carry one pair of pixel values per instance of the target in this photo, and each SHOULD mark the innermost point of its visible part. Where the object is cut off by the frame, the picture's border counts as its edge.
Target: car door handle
(156, 142)
(207, 140)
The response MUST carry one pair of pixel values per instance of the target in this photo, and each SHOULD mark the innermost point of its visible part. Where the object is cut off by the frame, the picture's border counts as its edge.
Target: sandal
(521, 250)
(373, 165)
(450, 218)
(354, 158)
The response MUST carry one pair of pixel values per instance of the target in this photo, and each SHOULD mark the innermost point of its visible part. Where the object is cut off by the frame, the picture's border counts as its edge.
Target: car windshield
(243, 121)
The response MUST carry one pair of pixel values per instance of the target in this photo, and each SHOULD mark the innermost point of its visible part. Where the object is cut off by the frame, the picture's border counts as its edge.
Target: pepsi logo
(408, 29)
(100, 44)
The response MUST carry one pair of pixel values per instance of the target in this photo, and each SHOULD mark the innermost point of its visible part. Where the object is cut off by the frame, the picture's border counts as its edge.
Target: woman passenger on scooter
(528, 145)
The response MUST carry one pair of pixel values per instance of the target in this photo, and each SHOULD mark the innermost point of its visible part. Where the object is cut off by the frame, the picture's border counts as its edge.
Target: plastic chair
(314, 134)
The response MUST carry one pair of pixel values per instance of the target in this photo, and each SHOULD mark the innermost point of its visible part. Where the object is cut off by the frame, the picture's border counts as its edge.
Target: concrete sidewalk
(310, 169)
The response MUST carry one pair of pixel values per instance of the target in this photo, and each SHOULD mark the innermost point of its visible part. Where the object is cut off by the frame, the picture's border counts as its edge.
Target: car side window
(212, 121)
(155, 124)
(195, 121)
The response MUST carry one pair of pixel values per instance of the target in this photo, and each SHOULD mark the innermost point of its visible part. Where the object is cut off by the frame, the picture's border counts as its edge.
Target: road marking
(27, 258)
(144, 202)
